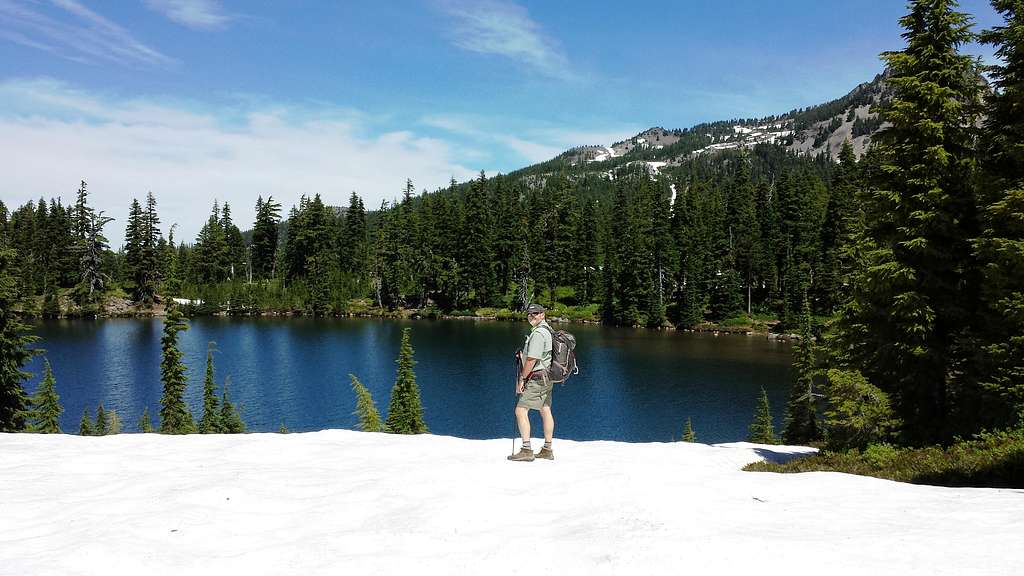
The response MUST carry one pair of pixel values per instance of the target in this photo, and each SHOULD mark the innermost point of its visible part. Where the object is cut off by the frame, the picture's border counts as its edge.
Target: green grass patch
(994, 460)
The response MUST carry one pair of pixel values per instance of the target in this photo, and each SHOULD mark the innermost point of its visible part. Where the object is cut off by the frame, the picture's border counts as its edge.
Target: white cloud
(79, 34)
(52, 136)
(506, 29)
(201, 14)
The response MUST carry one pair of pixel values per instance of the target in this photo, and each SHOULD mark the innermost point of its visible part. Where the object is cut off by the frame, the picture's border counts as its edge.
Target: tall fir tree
(265, 237)
(14, 351)
(405, 411)
(175, 417)
(915, 293)
(1000, 244)
(801, 420)
(46, 408)
(478, 244)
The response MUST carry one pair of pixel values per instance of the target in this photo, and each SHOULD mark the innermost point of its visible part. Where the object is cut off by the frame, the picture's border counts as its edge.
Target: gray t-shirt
(538, 345)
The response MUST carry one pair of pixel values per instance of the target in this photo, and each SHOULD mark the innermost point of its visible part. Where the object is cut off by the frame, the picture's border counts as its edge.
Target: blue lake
(635, 385)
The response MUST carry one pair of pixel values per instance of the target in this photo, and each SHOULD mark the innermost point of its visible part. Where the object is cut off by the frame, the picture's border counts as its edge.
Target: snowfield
(344, 502)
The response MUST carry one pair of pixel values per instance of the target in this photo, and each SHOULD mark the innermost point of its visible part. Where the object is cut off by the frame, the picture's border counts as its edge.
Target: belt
(536, 375)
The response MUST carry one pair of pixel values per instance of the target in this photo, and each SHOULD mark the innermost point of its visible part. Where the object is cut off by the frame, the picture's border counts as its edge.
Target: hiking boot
(524, 455)
(546, 453)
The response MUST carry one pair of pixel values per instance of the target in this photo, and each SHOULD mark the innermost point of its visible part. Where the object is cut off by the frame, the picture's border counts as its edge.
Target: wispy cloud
(531, 143)
(199, 14)
(506, 29)
(53, 135)
(78, 34)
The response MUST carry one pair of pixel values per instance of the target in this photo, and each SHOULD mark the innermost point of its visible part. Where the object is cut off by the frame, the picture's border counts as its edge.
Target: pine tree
(102, 423)
(405, 412)
(366, 409)
(83, 213)
(85, 425)
(150, 253)
(801, 412)
(744, 229)
(688, 435)
(210, 424)
(762, 430)
(915, 292)
(265, 237)
(231, 421)
(478, 248)
(113, 423)
(233, 256)
(14, 351)
(1000, 245)
(145, 422)
(175, 417)
(46, 408)
(94, 278)
(133, 248)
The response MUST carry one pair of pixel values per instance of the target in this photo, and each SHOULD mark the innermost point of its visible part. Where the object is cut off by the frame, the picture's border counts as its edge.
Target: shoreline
(120, 308)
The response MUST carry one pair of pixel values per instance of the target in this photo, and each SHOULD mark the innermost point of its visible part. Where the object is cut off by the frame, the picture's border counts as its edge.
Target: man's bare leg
(549, 423)
(523, 420)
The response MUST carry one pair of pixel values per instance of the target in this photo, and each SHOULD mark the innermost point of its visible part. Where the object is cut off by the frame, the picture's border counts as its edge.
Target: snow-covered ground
(343, 502)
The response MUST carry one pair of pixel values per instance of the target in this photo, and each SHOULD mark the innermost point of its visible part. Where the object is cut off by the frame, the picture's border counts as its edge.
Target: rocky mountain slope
(815, 130)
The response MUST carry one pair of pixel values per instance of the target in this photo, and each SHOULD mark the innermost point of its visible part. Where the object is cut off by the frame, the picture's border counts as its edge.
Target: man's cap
(534, 309)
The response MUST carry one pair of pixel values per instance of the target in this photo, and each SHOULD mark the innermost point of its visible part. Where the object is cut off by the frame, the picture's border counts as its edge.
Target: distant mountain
(813, 131)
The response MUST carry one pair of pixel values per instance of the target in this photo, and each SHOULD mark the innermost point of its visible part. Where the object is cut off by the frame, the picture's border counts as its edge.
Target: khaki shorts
(536, 394)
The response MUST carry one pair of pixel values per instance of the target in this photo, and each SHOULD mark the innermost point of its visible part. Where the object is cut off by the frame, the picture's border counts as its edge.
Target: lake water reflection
(635, 385)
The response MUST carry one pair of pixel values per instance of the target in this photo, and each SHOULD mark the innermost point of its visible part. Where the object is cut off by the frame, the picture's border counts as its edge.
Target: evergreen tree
(209, 265)
(85, 425)
(835, 267)
(145, 422)
(14, 351)
(231, 421)
(83, 214)
(175, 417)
(688, 435)
(233, 257)
(113, 423)
(210, 424)
(102, 423)
(478, 249)
(265, 237)
(762, 430)
(94, 277)
(915, 292)
(744, 229)
(405, 412)
(801, 412)
(1000, 245)
(46, 405)
(366, 409)
(150, 254)
(133, 248)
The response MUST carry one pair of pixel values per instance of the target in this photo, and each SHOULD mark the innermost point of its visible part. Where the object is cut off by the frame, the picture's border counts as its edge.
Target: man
(534, 386)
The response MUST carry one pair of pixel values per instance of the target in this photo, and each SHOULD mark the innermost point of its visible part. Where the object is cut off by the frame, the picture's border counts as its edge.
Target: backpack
(563, 356)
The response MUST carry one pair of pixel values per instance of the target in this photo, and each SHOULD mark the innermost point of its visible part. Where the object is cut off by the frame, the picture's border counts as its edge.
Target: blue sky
(199, 100)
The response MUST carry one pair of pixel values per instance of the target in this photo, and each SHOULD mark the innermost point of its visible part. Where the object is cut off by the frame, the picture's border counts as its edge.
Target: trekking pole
(515, 423)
